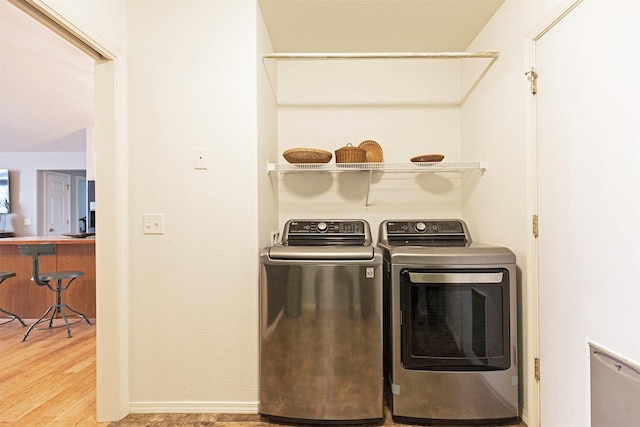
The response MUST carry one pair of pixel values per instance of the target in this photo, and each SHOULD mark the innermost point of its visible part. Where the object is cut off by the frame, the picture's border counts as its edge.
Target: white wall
(410, 107)
(267, 137)
(193, 291)
(23, 181)
(178, 312)
(102, 20)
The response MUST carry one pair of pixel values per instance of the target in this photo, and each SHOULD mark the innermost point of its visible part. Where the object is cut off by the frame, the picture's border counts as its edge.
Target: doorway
(110, 154)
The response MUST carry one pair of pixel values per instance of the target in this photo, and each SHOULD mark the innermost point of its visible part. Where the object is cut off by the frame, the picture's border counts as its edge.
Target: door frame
(110, 148)
(533, 285)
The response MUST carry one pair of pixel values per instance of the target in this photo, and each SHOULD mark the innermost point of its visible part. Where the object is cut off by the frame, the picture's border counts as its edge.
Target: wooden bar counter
(23, 297)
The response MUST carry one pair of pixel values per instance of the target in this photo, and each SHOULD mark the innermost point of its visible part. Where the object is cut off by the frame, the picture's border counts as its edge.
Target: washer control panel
(326, 232)
(325, 227)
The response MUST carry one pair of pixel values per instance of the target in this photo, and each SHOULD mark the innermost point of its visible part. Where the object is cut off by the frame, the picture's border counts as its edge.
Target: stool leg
(59, 305)
(24, 338)
(66, 322)
(14, 317)
(56, 308)
(78, 313)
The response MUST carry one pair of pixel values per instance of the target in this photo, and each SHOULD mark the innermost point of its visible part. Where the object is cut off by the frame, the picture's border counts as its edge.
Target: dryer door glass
(455, 319)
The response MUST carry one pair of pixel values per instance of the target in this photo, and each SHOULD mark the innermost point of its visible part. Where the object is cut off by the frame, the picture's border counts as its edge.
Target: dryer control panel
(424, 232)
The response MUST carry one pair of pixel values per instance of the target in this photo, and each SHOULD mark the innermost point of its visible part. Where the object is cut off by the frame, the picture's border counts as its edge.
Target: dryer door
(455, 319)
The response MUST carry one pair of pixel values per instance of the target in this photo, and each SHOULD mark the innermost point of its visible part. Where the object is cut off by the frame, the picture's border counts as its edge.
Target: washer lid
(322, 252)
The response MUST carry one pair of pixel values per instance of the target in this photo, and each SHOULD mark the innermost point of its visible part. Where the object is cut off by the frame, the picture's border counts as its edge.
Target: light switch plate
(153, 223)
(200, 159)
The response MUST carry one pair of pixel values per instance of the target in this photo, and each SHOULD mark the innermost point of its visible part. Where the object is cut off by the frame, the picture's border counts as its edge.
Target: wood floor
(49, 381)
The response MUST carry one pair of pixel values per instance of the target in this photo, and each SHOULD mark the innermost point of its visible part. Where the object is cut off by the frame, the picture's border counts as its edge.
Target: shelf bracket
(366, 203)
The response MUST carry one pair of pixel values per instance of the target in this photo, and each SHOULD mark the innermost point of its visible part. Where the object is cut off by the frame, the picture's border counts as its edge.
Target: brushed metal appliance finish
(452, 395)
(445, 395)
(456, 277)
(321, 333)
(321, 252)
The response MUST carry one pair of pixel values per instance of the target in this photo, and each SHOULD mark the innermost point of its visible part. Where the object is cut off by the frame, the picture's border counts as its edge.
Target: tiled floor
(221, 420)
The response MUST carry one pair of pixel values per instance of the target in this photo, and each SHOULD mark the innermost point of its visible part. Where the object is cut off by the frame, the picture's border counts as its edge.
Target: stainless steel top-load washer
(321, 324)
(450, 332)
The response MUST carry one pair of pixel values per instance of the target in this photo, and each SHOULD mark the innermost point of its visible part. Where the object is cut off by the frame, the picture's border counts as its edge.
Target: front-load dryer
(450, 332)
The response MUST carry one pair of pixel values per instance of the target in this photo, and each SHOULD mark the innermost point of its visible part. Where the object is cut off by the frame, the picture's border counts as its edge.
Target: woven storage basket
(307, 155)
(351, 154)
(374, 151)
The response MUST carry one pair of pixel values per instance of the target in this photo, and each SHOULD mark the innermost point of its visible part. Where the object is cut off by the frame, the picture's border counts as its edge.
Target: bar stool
(4, 275)
(45, 279)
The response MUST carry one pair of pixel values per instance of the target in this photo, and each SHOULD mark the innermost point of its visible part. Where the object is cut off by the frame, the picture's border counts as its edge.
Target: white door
(587, 150)
(81, 205)
(57, 203)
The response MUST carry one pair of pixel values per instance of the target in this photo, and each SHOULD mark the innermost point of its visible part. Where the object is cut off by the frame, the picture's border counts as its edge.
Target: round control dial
(322, 227)
(420, 227)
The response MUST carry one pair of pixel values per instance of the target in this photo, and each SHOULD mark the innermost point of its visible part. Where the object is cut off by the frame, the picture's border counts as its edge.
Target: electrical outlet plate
(153, 223)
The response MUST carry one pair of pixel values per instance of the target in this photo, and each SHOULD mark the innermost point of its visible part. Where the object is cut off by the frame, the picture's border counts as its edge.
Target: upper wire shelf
(382, 55)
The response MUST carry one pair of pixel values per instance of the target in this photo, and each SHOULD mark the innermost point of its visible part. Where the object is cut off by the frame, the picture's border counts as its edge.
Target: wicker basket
(374, 151)
(351, 154)
(307, 155)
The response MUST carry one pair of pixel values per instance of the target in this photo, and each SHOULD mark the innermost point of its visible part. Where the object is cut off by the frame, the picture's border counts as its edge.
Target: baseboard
(524, 416)
(193, 407)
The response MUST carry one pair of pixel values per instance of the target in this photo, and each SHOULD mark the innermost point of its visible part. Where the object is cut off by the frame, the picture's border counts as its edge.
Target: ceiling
(46, 84)
(46, 87)
(375, 25)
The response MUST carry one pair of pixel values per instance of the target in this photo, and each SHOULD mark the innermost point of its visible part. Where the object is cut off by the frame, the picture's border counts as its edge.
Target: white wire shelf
(454, 167)
(418, 167)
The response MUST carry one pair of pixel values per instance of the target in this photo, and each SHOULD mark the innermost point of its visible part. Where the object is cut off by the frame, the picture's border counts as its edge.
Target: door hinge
(536, 369)
(532, 76)
(535, 226)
